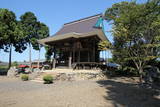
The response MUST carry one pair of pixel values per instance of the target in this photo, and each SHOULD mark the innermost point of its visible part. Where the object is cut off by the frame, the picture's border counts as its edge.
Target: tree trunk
(140, 75)
(10, 55)
(140, 70)
(38, 64)
(30, 61)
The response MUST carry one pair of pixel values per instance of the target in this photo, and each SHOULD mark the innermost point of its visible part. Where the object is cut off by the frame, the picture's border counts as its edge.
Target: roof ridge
(83, 18)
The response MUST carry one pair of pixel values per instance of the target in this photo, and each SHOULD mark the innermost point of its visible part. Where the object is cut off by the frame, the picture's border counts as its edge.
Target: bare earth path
(108, 93)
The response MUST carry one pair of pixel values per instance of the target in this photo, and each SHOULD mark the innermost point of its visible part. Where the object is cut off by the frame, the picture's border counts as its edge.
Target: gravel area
(108, 93)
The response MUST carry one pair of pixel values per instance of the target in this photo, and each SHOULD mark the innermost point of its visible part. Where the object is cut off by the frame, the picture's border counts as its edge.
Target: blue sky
(54, 13)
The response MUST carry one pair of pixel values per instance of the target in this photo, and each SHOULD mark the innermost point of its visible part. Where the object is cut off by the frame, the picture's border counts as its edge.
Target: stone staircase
(39, 78)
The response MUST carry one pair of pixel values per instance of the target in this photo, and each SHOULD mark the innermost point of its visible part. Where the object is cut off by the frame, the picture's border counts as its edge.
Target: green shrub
(24, 77)
(48, 79)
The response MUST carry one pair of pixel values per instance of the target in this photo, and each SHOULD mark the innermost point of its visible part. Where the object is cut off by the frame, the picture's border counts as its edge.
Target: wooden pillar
(54, 60)
(79, 52)
(70, 60)
(88, 56)
(94, 50)
(79, 55)
(73, 54)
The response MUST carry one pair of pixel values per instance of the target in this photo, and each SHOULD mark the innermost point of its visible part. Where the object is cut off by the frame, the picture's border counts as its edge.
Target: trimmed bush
(24, 77)
(48, 79)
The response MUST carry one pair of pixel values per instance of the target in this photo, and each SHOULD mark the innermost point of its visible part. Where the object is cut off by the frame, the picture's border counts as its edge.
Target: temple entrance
(72, 51)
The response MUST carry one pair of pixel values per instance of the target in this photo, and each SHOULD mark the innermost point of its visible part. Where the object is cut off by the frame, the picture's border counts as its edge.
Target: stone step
(38, 79)
(41, 81)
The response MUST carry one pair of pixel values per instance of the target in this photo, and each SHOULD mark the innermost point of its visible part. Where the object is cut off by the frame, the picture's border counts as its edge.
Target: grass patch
(48, 79)
(24, 77)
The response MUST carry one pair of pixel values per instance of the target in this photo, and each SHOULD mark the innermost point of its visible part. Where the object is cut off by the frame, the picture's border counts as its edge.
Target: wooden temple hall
(76, 43)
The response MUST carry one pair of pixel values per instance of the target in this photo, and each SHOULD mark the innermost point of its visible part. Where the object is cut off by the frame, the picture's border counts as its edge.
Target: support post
(94, 51)
(54, 60)
(88, 56)
(73, 54)
(70, 60)
(79, 54)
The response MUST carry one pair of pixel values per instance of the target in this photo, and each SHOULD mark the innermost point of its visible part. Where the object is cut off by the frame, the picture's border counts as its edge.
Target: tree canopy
(20, 33)
(11, 33)
(136, 31)
(34, 30)
(7, 28)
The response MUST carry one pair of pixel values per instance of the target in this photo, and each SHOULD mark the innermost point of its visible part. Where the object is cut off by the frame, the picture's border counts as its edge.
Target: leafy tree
(49, 52)
(42, 32)
(10, 34)
(29, 21)
(136, 31)
(7, 18)
(34, 30)
(104, 46)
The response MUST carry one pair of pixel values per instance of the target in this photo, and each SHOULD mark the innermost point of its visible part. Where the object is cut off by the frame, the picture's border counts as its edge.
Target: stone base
(12, 72)
(79, 76)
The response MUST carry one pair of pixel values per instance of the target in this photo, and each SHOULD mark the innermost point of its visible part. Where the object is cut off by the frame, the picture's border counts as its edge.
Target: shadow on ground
(123, 94)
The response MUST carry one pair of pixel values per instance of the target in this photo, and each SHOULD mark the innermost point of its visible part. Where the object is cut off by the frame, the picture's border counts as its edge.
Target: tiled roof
(77, 29)
(80, 26)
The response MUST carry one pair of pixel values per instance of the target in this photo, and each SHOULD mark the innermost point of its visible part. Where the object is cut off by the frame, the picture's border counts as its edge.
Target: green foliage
(110, 60)
(11, 33)
(24, 77)
(29, 21)
(15, 63)
(48, 79)
(33, 29)
(49, 52)
(20, 41)
(104, 45)
(136, 32)
(42, 31)
(20, 33)
(7, 27)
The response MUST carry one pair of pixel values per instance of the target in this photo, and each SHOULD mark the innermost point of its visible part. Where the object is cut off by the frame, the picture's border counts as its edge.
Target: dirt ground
(116, 92)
